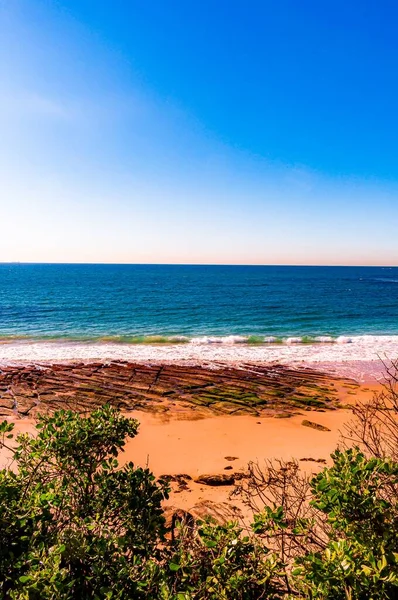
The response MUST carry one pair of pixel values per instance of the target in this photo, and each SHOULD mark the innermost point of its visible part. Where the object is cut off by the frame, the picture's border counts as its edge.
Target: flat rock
(265, 390)
(216, 480)
(317, 426)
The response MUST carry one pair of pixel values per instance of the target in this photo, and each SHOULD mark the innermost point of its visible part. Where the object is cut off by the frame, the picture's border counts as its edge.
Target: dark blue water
(133, 303)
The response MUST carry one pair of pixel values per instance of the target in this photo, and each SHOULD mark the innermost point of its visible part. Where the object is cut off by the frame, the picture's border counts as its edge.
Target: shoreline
(361, 358)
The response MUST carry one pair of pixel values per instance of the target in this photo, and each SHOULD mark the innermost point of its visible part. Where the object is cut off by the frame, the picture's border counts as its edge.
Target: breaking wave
(226, 340)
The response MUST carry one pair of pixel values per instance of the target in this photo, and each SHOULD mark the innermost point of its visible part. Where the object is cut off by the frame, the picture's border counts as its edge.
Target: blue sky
(199, 131)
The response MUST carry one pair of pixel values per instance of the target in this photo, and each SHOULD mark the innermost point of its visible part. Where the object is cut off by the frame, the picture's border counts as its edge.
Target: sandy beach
(206, 446)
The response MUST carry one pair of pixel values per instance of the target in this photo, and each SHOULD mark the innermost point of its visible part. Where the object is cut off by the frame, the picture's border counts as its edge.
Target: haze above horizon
(198, 132)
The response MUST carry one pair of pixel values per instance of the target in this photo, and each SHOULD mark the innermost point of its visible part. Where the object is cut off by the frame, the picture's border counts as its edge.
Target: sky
(199, 131)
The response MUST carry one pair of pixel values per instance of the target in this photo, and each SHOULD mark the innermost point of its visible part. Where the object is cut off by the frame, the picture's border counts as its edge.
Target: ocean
(185, 305)
(178, 303)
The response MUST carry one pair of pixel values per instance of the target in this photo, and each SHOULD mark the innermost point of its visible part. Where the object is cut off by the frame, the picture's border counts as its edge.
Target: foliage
(74, 524)
(360, 559)
(218, 562)
(344, 544)
(374, 427)
(72, 521)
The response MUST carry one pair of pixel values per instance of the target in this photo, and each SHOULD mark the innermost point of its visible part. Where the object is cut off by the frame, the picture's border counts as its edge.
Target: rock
(229, 468)
(315, 425)
(241, 475)
(176, 519)
(177, 477)
(231, 457)
(216, 480)
(257, 390)
(180, 479)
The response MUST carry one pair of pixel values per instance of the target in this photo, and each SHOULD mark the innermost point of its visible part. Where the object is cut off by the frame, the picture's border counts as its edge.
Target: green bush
(73, 523)
(76, 525)
(220, 563)
(360, 559)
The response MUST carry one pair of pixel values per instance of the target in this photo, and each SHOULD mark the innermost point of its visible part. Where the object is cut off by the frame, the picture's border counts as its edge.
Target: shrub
(73, 523)
(336, 533)
(374, 427)
(218, 562)
(360, 559)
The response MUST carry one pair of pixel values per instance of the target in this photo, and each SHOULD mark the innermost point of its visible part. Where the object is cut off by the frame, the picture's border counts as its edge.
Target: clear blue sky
(206, 131)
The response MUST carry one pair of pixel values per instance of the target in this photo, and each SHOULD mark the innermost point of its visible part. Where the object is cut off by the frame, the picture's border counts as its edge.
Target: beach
(214, 361)
(211, 418)
(184, 447)
(198, 300)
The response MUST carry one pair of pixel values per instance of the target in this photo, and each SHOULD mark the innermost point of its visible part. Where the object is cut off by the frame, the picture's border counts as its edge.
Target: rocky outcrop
(216, 480)
(193, 390)
(315, 425)
(181, 480)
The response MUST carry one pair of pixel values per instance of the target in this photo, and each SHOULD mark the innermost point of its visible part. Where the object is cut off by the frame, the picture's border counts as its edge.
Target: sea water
(195, 305)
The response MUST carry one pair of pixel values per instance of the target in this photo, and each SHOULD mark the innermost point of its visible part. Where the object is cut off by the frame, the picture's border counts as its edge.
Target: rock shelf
(193, 391)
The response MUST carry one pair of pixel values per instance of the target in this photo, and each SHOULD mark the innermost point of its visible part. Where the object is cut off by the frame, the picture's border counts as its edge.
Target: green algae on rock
(193, 391)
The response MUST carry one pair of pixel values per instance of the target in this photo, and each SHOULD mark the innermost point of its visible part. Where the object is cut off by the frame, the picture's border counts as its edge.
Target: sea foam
(337, 357)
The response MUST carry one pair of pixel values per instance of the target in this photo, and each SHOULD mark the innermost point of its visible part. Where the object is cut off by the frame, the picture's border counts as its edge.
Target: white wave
(360, 351)
(385, 280)
(228, 339)
(234, 339)
(205, 340)
(294, 340)
(325, 339)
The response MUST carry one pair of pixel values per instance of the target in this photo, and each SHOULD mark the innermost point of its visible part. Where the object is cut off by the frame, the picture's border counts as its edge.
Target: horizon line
(387, 266)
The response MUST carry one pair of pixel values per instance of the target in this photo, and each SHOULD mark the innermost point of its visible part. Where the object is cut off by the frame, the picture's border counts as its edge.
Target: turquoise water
(176, 304)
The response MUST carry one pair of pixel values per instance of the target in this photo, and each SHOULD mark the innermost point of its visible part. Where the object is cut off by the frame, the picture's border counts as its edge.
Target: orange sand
(194, 447)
